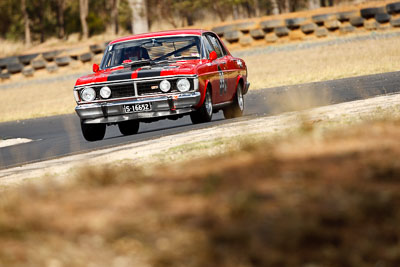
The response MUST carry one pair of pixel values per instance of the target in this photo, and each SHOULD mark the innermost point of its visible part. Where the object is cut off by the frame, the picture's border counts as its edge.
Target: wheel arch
(207, 85)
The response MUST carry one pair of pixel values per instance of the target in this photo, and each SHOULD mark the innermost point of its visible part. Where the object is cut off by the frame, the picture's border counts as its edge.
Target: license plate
(136, 108)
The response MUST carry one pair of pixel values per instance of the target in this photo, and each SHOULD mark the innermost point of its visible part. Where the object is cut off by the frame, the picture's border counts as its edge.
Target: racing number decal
(222, 82)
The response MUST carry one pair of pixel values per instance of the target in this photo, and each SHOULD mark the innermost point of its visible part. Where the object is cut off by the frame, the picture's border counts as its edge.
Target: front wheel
(205, 112)
(235, 110)
(93, 132)
(128, 127)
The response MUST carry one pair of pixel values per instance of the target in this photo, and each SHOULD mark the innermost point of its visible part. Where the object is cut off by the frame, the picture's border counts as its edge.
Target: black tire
(357, 21)
(93, 132)
(347, 29)
(5, 75)
(245, 27)
(382, 18)
(86, 57)
(129, 127)
(8, 60)
(294, 23)
(52, 67)
(395, 22)
(15, 67)
(257, 34)
(346, 16)
(393, 8)
(63, 61)
(236, 109)
(26, 59)
(49, 56)
(281, 31)
(233, 36)
(370, 12)
(245, 40)
(269, 25)
(332, 25)
(28, 71)
(221, 30)
(321, 32)
(205, 112)
(308, 28)
(38, 64)
(320, 19)
(97, 48)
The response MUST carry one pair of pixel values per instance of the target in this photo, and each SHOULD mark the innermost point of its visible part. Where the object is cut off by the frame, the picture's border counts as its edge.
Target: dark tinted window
(207, 47)
(215, 44)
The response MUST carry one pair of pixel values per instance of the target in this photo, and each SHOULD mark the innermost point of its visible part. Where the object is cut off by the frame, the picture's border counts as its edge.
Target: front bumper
(162, 106)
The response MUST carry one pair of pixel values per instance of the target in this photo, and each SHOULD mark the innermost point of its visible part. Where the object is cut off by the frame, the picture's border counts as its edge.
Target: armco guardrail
(258, 31)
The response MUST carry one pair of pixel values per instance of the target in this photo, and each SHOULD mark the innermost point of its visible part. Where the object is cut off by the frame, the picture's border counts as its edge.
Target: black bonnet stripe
(119, 76)
(148, 73)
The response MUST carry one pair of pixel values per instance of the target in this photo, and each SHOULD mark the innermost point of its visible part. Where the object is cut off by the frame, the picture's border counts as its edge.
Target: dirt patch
(304, 200)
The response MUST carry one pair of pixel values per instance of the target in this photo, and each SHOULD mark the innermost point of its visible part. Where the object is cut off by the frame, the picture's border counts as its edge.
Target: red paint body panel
(226, 70)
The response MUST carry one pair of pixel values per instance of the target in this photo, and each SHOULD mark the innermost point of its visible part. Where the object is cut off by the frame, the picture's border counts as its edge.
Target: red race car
(163, 75)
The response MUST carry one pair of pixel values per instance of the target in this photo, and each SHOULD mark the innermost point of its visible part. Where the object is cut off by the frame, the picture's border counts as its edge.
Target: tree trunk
(256, 4)
(84, 10)
(112, 7)
(26, 23)
(60, 18)
(275, 8)
(140, 23)
(287, 6)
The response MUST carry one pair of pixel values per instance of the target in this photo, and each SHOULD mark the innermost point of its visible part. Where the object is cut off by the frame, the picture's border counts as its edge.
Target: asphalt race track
(61, 135)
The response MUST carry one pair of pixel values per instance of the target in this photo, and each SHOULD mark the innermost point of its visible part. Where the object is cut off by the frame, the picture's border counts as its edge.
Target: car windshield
(152, 50)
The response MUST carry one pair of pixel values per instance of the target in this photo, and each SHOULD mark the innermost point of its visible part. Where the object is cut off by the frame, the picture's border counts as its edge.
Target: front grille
(152, 87)
(119, 90)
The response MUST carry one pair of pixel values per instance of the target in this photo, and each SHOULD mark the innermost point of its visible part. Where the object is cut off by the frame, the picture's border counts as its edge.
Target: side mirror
(96, 68)
(213, 56)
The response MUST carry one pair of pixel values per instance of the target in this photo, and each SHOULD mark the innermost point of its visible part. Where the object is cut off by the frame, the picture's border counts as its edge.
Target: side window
(215, 44)
(207, 47)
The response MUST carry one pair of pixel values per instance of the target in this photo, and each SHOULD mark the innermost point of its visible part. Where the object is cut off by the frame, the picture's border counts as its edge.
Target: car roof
(158, 34)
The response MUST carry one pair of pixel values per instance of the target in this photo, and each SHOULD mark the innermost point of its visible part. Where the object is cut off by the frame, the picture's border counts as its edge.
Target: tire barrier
(308, 28)
(393, 8)
(97, 48)
(85, 57)
(28, 71)
(368, 13)
(346, 16)
(50, 56)
(62, 61)
(357, 21)
(294, 23)
(382, 17)
(233, 36)
(52, 67)
(281, 31)
(15, 67)
(5, 76)
(26, 59)
(39, 63)
(267, 30)
(8, 60)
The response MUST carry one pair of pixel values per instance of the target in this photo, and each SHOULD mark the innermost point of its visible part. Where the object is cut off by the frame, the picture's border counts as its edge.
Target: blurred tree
(139, 22)
(84, 11)
(27, 28)
(112, 7)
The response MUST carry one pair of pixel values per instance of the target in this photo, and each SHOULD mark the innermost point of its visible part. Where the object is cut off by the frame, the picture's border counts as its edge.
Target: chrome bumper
(112, 112)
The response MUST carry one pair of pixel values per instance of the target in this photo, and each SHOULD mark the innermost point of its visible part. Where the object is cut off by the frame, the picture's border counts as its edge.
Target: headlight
(165, 86)
(88, 94)
(183, 85)
(105, 92)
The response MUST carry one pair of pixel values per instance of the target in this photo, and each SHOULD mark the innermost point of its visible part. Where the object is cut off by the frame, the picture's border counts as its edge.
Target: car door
(219, 79)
